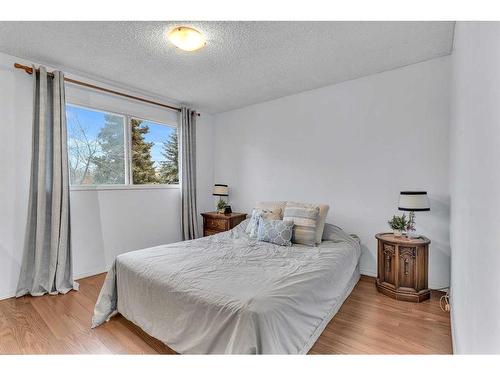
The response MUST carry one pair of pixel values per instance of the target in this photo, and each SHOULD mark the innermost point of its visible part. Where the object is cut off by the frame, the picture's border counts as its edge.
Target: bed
(230, 294)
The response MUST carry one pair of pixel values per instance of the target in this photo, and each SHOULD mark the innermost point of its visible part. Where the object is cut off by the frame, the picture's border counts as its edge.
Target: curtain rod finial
(27, 69)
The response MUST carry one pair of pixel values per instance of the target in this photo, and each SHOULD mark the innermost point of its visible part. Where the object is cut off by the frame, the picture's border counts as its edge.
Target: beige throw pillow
(305, 233)
(305, 220)
(275, 206)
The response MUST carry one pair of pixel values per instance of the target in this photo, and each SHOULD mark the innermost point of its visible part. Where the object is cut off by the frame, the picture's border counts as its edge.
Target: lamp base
(412, 234)
(410, 227)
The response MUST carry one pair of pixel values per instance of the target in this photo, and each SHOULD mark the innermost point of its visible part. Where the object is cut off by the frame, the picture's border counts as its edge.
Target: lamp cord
(444, 300)
(445, 306)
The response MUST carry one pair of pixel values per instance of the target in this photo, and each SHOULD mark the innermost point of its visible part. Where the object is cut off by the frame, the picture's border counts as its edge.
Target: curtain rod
(29, 70)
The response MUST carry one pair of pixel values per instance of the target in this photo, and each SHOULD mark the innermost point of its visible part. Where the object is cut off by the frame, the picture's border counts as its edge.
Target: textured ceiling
(243, 63)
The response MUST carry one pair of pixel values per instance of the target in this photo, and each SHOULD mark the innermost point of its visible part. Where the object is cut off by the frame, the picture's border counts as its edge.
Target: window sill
(122, 187)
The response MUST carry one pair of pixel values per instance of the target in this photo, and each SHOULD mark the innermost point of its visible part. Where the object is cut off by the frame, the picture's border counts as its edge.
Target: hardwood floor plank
(367, 323)
(8, 342)
(28, 328)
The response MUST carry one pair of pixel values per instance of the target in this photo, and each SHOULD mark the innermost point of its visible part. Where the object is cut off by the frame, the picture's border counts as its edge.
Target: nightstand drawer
(208, 232)
(216, 224)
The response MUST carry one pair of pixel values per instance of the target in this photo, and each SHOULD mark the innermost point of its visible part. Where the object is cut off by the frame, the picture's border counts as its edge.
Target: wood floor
(367, 323)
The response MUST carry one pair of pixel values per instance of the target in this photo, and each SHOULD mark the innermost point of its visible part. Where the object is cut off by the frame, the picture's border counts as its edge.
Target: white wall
(475, 188)
(104, 223)
(15, 143)
(354, 146)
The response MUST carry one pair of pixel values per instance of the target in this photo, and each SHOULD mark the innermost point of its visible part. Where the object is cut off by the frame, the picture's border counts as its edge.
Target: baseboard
(366, 272)
(370, 279)
(94, 272)
(454, 347)
(7, 295)
(77, 277)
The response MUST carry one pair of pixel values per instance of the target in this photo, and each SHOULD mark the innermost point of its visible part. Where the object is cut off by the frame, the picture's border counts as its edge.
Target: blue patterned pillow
(278, 232)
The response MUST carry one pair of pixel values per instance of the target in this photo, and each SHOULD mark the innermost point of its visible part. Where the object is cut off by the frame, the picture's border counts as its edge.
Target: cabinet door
(389, 264)
(407, 276)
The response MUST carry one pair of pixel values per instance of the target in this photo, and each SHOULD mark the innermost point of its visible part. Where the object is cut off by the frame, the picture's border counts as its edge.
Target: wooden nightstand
(214, 222)
(403, 267)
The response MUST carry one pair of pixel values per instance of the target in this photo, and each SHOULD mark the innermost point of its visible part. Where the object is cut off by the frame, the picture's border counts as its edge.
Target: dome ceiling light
(186, 38)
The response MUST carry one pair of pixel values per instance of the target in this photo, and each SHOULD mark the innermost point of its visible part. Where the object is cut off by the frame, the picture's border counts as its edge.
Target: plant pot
(397, 232)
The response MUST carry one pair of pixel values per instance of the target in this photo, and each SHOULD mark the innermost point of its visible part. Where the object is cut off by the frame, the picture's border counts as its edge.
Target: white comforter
(228, 293)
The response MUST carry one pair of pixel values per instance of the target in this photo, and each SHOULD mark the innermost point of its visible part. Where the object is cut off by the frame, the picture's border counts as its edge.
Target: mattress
(231, 294)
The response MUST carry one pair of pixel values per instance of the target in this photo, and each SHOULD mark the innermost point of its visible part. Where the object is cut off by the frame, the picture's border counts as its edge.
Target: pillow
(278, 232)
(323, 211)
(277, 207)
(306, 219)
(257, 213)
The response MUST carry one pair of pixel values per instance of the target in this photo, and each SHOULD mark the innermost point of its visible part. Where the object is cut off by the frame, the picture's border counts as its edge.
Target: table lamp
(413, 201)
(221, 190)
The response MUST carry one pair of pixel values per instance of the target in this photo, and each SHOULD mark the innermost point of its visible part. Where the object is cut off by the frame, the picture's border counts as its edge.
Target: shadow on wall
(440, 206)
(437, 223)
(369, 258)
(436, 227)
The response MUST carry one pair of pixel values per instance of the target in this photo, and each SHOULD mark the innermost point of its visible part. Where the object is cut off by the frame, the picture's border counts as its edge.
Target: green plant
(169, 168)
(221, 204)
(398, 222)
(143, 165)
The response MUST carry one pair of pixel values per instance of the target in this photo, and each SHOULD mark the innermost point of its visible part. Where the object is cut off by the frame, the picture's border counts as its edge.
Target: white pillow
(257, 213)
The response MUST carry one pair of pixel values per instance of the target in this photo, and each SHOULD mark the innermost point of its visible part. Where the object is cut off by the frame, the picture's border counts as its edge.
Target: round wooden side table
(402, 271)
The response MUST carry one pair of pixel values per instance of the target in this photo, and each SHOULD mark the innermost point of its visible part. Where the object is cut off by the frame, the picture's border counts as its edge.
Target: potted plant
(221, 206)
(398, 224)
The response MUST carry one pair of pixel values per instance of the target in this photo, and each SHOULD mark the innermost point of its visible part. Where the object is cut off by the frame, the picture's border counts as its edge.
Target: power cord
(445, 306)
(444, 301)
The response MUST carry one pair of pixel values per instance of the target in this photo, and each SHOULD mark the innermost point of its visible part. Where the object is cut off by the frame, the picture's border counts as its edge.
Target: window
(113, 149)
(96, 147)
(154, 153)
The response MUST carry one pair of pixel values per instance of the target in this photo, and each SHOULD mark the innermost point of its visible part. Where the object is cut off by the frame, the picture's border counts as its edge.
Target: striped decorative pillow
(305, 219)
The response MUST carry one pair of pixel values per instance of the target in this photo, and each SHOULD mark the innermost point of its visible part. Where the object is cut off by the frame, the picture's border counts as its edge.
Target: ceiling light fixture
(186, 38)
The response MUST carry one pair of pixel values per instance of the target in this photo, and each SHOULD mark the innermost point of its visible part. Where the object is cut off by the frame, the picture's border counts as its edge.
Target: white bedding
(228, 293)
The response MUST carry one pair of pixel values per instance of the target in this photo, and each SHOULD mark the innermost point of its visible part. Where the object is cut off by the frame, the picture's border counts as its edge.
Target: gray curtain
(47, 265)
(187, 150)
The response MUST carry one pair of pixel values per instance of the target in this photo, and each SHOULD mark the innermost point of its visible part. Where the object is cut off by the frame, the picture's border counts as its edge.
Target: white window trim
(122, 187)
(128, 185)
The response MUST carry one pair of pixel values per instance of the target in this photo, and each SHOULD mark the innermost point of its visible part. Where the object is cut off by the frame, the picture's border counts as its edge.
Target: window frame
(127, 134)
